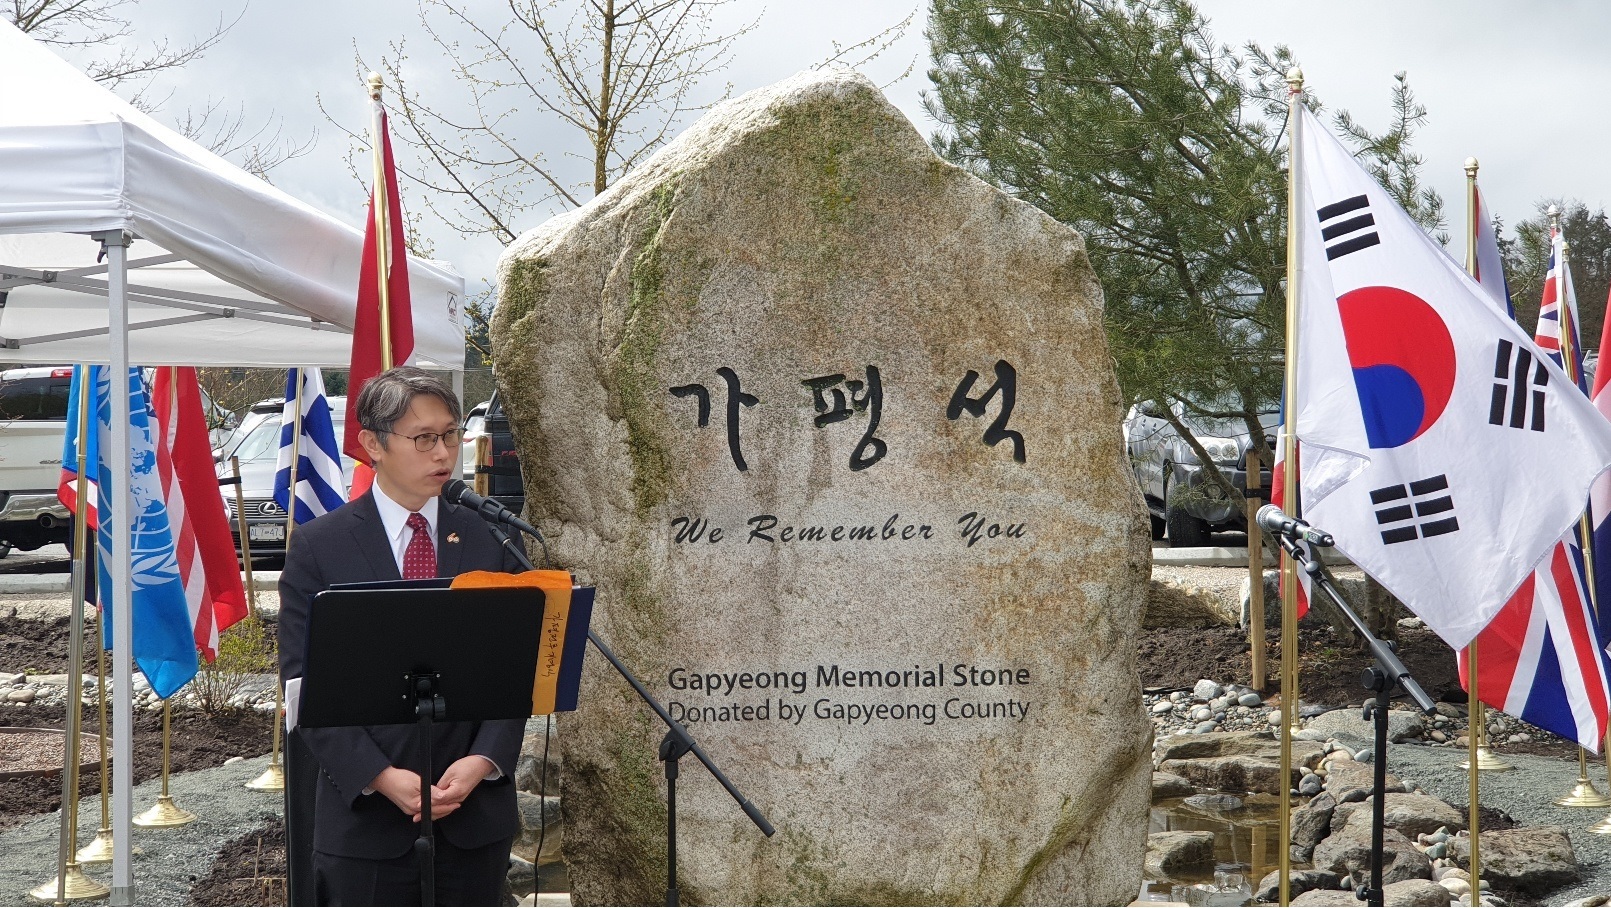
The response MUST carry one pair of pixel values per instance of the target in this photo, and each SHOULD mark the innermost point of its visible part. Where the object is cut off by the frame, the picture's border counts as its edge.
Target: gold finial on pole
(1295, 79)
(1471, 171)
(375, 85)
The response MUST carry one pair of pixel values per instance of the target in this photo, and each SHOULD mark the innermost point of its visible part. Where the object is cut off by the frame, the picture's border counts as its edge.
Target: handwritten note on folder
(567, 610)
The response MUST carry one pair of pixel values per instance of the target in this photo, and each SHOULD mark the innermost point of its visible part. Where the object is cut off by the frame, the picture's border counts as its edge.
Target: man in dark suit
(367, 798)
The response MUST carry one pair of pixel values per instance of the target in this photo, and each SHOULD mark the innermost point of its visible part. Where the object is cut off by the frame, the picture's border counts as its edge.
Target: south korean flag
(1423, 411)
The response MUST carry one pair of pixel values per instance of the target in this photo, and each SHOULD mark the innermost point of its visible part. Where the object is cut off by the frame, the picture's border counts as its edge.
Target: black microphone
(1277, 521)
(456, 491)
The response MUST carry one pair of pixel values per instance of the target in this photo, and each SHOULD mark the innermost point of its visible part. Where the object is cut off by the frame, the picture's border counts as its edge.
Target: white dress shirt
(394, 517)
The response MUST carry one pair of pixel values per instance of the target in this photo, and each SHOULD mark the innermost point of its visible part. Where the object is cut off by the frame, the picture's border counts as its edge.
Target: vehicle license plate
(266, 532)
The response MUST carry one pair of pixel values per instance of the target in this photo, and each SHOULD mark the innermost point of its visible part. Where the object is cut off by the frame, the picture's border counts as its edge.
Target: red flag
(383, 238)
(201, 539)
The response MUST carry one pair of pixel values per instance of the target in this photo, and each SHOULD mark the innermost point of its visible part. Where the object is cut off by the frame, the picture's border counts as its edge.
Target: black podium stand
(379, 654)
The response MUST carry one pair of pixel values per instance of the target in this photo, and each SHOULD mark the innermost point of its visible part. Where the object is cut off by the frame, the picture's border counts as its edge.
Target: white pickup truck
(33, 424)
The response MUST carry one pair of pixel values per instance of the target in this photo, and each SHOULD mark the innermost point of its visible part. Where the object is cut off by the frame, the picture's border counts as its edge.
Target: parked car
(258, 452)
(1183, 502)
(475, 426)
(33, 426)
(255, 414)
(33, 422)
(502, 468)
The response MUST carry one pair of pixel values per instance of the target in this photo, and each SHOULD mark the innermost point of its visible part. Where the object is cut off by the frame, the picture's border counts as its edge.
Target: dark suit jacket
(349, 545)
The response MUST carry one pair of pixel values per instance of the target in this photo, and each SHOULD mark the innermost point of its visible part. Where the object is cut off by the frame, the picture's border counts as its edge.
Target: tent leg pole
(116, 244)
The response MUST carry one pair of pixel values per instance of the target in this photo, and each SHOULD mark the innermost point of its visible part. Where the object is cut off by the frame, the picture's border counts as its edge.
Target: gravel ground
(1525, 793)
(171, 859)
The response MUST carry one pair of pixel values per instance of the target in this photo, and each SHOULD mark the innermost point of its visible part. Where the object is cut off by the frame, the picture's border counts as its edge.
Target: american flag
(201, 538)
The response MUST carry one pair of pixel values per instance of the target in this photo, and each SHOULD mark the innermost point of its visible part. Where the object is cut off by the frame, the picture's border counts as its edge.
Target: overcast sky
(1519, 85)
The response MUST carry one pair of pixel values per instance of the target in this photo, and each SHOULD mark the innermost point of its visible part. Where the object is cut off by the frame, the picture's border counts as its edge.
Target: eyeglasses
(425, 441)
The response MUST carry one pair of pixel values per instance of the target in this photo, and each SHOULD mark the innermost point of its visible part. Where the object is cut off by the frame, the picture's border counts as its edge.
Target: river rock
(1214, 802)
(1167, 785)
(1205, 690)
(1171, 854)
(1534, 859)
(833, 426)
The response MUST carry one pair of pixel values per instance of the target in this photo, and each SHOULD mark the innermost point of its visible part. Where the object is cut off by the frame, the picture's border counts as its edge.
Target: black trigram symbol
(1407, 509)
(1348, 222)
(1511, 368)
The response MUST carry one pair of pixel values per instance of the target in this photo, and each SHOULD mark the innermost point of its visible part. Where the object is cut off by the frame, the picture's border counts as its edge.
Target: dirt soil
(199, 742)
(249, 871)
(1329, 663)
(39, 646)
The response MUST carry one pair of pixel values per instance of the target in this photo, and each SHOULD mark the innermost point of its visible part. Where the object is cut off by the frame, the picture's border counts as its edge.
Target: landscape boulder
(1533, 859)
(1236, 761)
(1347, 852)
(832, 428)
(1170, 854)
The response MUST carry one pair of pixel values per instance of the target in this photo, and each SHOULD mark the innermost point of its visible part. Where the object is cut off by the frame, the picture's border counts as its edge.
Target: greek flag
(164, 642)
(319, 484)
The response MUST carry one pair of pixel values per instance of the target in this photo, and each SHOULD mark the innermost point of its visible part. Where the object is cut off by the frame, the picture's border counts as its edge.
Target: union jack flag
(1558, 287)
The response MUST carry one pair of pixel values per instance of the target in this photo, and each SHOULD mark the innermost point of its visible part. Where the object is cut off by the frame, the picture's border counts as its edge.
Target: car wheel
(1185, 531)
(1157, 526)
(5, 549)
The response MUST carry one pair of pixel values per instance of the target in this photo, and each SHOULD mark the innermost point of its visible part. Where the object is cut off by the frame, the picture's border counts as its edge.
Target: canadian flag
(1423, 411)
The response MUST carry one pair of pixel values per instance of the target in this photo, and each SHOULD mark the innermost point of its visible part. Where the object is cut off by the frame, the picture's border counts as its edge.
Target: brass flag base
(98, 851)
(1602, 828)
(1487, 761)
(79, 887)
(1583, 794)
(272, 779)
(165, 813)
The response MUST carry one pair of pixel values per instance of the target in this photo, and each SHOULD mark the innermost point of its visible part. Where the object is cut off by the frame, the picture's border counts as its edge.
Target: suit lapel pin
(453, 537)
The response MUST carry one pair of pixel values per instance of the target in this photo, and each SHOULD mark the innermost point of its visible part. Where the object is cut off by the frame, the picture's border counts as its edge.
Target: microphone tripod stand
(673, 747)
(1387, 674)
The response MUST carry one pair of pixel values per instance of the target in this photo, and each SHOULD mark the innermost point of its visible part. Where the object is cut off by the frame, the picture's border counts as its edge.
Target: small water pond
(1246, 842)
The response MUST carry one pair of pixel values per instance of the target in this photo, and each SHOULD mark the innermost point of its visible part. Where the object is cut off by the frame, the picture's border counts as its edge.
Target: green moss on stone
(641, 336)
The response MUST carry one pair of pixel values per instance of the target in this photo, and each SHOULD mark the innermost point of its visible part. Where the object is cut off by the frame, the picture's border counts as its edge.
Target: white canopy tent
(232, 272)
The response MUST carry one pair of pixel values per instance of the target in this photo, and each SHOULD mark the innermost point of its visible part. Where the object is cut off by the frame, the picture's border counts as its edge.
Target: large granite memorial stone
(833, 427)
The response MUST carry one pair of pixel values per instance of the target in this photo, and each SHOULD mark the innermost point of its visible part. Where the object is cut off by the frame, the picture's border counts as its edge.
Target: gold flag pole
(70, 882)
(165, 813)
(98, 851)
(273, 778)
(1289, 585)
(1473, 763)
(381, 213)
(246, 542)
(1583, 793)
(1482, 756)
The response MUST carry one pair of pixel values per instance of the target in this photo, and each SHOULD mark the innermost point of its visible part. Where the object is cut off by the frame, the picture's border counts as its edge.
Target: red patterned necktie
(419, 559)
